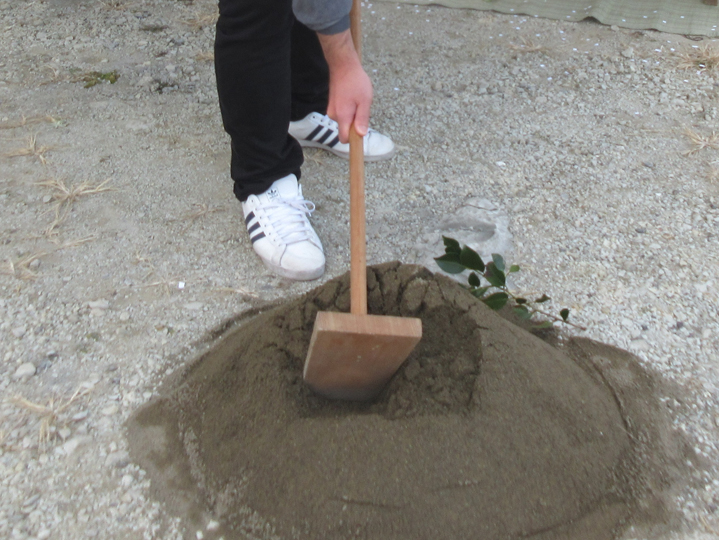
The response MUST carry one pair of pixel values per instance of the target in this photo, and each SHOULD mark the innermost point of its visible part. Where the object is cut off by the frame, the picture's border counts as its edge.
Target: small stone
(80, 416)
(127, 480)
(19, 331)
(117, 460)
(628, 53)
(213, 525)
(44, 534)
(110, 410)
(73, 444)
(34, 264)
(25, 371)
(639, 345)
(64, 433)
(124, 316)
(199, 535)
(47, 198)
(193, 306)
(99, 304)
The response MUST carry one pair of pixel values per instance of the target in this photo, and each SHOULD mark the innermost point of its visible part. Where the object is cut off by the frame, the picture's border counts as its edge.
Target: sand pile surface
(486, 432)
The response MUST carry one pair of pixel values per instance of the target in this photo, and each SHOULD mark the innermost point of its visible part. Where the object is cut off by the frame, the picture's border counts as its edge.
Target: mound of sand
(486, 431)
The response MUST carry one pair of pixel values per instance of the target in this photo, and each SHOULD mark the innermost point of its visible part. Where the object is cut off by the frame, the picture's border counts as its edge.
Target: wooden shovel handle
(358, 243)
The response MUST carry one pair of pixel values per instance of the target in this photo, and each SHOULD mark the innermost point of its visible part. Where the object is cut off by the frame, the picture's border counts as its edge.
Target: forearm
(339, 51)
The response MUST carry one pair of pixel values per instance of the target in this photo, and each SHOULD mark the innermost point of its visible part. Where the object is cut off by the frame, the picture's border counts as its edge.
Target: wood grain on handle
(358, 242)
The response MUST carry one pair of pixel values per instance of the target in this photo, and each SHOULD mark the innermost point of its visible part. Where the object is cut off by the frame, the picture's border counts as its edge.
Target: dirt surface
(122, 247)
(486, 431)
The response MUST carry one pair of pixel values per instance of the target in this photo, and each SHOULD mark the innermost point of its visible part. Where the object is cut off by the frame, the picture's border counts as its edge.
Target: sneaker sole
(307, 275)
(344, 155)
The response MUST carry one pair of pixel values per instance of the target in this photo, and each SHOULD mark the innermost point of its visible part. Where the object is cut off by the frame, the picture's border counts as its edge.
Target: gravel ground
(122, 246)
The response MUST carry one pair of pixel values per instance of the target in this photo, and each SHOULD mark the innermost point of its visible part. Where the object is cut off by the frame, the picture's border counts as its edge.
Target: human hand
(350, 87)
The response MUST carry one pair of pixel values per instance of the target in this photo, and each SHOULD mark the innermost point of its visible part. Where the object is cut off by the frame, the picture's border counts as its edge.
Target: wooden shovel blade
(352, 357)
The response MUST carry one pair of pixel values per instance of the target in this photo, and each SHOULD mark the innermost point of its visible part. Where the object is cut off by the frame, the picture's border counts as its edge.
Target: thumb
(362, 119)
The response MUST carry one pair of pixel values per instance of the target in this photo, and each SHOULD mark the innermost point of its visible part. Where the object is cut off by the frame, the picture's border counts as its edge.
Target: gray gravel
(576, 132)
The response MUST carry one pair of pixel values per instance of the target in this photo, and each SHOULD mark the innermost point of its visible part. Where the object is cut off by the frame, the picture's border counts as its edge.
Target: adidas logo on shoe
(280, 231)
(320, 131)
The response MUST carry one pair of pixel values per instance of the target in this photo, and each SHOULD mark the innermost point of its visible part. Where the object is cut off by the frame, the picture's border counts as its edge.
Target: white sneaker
(280, 231)
(320, 131)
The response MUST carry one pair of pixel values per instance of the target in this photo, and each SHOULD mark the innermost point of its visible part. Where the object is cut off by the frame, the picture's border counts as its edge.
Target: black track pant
(270, 70)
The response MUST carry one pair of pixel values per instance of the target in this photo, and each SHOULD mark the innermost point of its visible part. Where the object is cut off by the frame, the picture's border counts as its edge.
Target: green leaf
(473, 280)
(451, 245)
(495, 276)
(514, 268)
(498, 261)
(520, 301)
(479, 293)
(471, 259)
(496, 301)
(522, 312)
(449, 262)
(544, 324)
(564, 314)
(542, 299)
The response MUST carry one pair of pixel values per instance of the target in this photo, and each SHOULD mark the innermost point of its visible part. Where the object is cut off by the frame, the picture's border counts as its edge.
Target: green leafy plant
(488, 283)
(96, 77)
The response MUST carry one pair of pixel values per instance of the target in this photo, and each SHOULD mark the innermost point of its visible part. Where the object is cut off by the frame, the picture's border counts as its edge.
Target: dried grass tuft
(244, 293)
(21, 268)
(202, 210)
(24, 122)
(705, 58)
(199, 20)
(30, 149)
(700, 141)
(65, 196)
(527, 46)
(50, 414)
(205, 56)
(118, 5)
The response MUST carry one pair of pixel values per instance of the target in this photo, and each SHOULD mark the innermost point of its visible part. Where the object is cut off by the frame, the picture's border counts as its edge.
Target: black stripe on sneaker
(257, 237)
(254, 227)
(326, 136)
(334, 141)
(314, 133)
(249, 218)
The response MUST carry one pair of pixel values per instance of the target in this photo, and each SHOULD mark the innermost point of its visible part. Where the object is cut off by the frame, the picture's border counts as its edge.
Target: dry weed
(21, 268)
(202, 210)
(118, 5)
(24, 121)
(30, 149)
(65, 196)
(50, 414)
(700, 141)
(199, 20)
(237, 290)
(205, 56)
(705, 58)
(313, 156)
(527, 46)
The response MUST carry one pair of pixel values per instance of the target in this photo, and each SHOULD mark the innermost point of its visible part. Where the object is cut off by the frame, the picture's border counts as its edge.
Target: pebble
(98, 304)
(69, 447)
(193, 306)
(19, 331)
(124, 316)
(110, 410)
(24, 371)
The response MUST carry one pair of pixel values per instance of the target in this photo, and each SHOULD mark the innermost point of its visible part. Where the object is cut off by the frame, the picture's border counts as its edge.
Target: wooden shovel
(353, 355)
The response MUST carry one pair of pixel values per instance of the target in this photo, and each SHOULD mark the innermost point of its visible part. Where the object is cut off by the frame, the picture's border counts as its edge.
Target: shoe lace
(288, 218)
(327, 121)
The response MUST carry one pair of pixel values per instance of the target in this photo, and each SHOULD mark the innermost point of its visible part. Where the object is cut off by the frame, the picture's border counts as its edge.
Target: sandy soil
(122, 246)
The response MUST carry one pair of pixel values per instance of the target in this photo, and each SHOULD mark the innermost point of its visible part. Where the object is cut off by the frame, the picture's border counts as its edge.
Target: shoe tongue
(284, 188)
